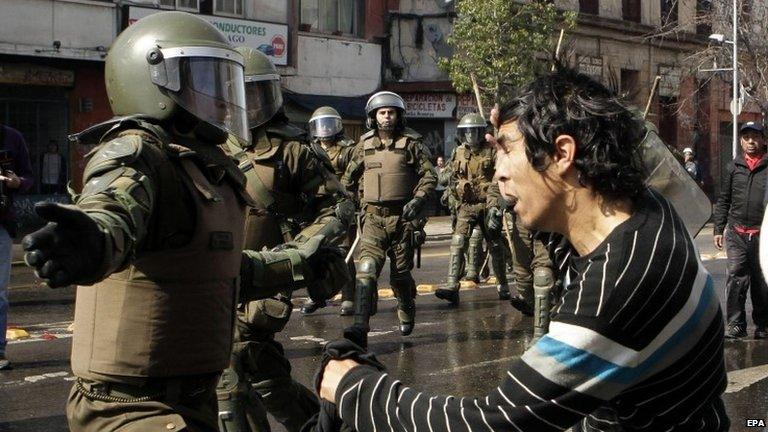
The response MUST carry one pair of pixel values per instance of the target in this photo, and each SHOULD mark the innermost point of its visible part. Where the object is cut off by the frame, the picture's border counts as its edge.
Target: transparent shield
(324, 127)
(263, 101)
(669, 177)
(213, 90)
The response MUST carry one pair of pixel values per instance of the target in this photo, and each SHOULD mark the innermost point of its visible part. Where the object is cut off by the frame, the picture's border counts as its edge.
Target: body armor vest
(474, 173)
(266, 224)
(171, 312)
(338, 153)
(389, 175)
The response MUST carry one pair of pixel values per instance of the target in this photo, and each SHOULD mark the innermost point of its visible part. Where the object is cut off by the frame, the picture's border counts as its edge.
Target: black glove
(413, 208)
(493, 219)
(329, 272)
(68, 250)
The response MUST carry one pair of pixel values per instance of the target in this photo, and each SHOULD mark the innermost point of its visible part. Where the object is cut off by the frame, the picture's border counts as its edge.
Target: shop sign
(466, 104)
(592, 66)
(28, 74)
(269, 38)
(429, 105)
(670, 81)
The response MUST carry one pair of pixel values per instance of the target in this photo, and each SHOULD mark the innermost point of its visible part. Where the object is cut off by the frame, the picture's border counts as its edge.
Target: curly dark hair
(607, 133)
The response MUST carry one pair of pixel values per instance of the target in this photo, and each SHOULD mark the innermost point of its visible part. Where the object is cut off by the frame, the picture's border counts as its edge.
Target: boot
(503, 291)
(406, 314)
(310, 306)
(455, 266)
(347, 308)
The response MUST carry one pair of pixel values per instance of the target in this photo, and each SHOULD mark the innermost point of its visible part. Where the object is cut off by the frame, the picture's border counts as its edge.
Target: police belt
(384, 210)
(157, 389)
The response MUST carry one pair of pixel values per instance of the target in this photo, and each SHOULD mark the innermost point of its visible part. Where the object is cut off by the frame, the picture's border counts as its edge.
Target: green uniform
(472, 181)
(296, 197)
(173, 211)
(528, 255)
(392, 173)
(340, 153)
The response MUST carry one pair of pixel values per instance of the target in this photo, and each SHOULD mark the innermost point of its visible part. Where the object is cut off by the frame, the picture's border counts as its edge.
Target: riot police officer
(297, 199)
(398, 179)
(327, 134)
(154, 238)
(479, 205)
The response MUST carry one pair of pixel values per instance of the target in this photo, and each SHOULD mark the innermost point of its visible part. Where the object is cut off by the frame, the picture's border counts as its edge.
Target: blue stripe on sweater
(589, 364)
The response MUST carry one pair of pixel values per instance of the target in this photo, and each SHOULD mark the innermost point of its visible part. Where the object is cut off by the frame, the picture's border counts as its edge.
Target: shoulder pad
(346, 142)
(96, 133)
(287, 131)
(410, 133)
(118, 151)
(367, 135)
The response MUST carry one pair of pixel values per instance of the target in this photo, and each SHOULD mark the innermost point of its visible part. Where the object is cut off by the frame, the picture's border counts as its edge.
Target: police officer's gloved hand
(345, 211)
(493, 219)
(68, 250)
(413, 208)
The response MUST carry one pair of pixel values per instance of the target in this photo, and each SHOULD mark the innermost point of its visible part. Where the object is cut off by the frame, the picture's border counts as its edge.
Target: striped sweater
(635, 343)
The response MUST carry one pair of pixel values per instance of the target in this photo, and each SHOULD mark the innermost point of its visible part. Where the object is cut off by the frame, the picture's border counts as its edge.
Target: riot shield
(668, 176)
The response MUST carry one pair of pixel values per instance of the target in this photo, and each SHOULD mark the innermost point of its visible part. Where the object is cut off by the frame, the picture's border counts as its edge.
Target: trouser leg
(758, 289)
(737, 282)
(474, 255)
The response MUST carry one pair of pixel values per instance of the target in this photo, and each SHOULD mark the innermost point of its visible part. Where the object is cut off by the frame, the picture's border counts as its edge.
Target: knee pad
(270, 315)
(458, 241)
(366, 268)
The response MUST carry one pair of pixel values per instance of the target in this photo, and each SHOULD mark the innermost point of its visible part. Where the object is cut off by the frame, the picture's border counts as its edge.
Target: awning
(349, 107)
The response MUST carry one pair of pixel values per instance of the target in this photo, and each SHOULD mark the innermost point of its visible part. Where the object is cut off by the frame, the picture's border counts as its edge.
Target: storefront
(432, 115)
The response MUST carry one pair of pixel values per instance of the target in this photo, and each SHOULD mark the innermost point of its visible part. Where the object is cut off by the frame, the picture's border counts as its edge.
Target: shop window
(703, 17)
(228, 7)
(589, 7)
(630, 84)
(630, 10)
(187, 5)
(668, 120)
(669, 12)
(339, 17)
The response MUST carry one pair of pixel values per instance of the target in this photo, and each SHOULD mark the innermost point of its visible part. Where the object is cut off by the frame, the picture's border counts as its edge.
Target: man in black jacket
(741, 206)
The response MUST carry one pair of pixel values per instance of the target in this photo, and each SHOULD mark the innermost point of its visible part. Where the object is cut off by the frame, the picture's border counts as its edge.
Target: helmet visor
(213, 90)
(263, 99)
(324, 127)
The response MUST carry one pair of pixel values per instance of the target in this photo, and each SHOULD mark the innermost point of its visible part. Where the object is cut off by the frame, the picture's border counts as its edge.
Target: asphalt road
(460, 351)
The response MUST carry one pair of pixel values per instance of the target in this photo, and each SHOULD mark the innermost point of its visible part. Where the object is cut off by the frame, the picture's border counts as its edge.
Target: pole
(476, 89)
(557, 50)
(735, 102)
(650, 96)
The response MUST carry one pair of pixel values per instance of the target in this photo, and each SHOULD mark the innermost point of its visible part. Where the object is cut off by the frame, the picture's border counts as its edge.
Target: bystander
(53, 170)
(738, 216)
(15, 177)
(692, 165)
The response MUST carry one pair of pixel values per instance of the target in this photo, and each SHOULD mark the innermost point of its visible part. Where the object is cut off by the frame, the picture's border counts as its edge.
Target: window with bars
(340, 17)
(228, 7)
(631, 10)
(589, 7)
(188, 5)
(668, 12)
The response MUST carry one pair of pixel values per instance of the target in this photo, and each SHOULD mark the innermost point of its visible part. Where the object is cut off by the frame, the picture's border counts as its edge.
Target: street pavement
(463, 351)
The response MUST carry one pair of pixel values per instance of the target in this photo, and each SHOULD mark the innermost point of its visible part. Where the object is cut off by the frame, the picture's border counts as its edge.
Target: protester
(15, 177)
(627, 348)
(738, 215)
